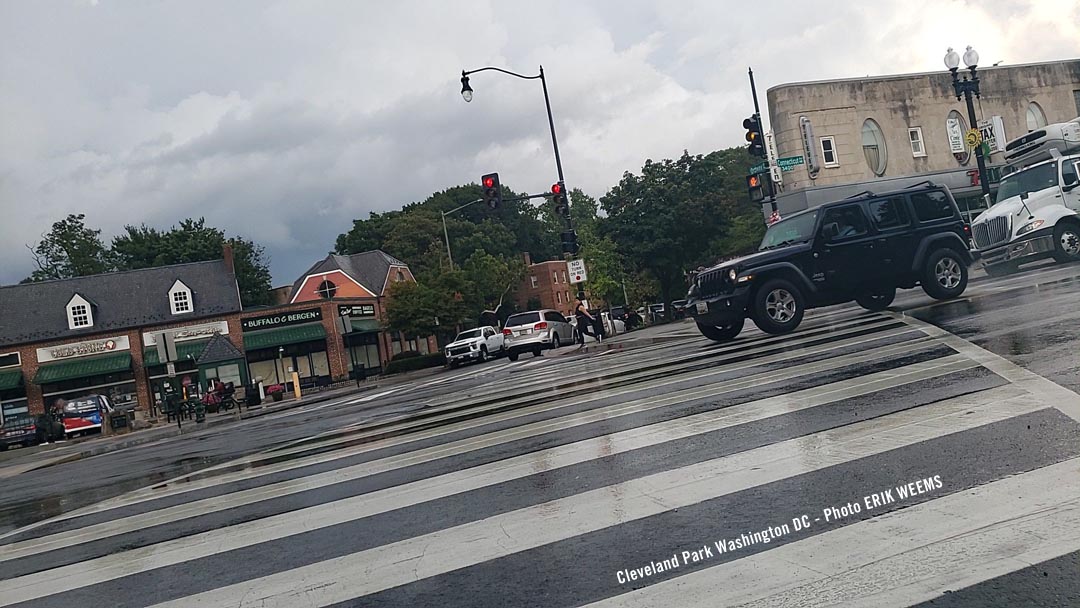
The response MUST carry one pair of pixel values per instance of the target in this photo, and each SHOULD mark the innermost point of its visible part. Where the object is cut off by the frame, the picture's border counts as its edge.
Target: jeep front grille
(992, 232)
(711, 283)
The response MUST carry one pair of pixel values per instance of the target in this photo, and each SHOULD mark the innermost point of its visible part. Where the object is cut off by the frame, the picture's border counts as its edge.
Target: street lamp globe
(952, 59)
(971, 57)
(466, 90)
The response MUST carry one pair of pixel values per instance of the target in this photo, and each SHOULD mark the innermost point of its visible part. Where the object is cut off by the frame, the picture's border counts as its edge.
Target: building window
(915, 136)
(535, 283)
(80, 316)
(179, 298)
(400, 276)
(955, 126)
(555, 277)
(828, 152)
(10, 360)
(873, 145)
(326, 290)
(558, 297)
(564, 276)
(1036, 119)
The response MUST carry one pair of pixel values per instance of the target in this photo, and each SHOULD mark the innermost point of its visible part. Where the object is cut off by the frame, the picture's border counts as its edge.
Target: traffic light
(558, 196)
(569, 242)
(758, 187)
(755, 136)
(492, 191)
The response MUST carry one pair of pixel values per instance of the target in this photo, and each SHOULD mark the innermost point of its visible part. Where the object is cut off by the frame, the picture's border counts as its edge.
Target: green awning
(283, 336)
(82, 368)
(183, 349)
(10, 379)
(365, 325)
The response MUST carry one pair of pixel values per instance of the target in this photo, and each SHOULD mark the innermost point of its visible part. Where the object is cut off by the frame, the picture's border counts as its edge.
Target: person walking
(586, 322)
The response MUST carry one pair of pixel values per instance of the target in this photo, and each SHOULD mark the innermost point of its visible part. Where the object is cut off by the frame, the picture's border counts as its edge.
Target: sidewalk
(22, 460)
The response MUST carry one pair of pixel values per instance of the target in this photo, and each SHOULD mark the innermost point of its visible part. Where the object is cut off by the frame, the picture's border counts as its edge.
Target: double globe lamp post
(966, 87)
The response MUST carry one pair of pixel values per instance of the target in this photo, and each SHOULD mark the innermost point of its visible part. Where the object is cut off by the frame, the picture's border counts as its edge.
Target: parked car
(678, 309)
(85, 414)
(861, 248)
(536, 331)
(475, 344)
(19, 430)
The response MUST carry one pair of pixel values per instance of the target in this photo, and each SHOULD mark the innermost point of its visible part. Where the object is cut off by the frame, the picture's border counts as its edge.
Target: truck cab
(1036, 214)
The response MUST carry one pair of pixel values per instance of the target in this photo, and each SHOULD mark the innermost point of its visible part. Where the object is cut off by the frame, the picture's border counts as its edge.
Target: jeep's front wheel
(778, 307)
(877, 301)
(722, 333)
(1066, 242)
(945, 276)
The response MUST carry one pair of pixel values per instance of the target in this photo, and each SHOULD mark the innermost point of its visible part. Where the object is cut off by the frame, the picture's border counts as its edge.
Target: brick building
(546, 284)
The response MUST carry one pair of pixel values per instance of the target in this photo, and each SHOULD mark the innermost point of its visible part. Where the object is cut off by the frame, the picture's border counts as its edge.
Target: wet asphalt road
(579, 476)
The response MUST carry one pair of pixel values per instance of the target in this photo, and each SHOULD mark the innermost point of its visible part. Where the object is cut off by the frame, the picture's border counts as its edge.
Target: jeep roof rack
(860, 195)
(925, 182)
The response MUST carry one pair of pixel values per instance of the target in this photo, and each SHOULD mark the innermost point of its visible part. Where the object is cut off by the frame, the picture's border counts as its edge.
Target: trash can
(251, 395)
(119, 420)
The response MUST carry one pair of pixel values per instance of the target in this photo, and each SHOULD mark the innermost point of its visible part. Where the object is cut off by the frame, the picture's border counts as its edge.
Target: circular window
(873, 146)
(326, 290)
(1036, 119)
(956, 127)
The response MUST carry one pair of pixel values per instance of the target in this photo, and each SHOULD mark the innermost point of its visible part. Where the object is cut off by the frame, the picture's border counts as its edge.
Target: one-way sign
(576, 270)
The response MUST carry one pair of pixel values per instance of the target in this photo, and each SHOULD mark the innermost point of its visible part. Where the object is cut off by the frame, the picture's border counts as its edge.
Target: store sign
(191, 332)
(283, 319)
(809, 148)
(956, 135)
(993, 133)
(358, 310)
(83, 349)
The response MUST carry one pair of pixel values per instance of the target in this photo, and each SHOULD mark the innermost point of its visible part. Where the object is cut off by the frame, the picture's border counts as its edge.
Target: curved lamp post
(964, 88)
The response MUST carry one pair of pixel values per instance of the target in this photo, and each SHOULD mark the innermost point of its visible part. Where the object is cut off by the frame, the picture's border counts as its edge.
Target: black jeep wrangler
(861, 248)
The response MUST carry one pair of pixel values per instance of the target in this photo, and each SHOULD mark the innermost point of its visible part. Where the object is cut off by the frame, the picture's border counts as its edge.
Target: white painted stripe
(898, 559)
(498, 472)
(406, 561)
(625, 408)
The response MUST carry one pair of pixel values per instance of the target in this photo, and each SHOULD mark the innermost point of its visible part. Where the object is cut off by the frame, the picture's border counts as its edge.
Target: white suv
(536, 331)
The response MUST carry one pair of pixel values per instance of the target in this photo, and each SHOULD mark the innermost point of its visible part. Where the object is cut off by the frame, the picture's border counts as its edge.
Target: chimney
(528, 259)
(227, 254)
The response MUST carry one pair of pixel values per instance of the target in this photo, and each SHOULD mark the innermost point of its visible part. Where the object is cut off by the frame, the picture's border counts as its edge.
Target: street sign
(759, 168)
(972, 138)
(170, 369)
(789, 163)
(576, 270)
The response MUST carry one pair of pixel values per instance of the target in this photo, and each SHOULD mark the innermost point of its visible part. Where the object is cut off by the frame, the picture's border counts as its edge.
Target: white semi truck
(1036, 213)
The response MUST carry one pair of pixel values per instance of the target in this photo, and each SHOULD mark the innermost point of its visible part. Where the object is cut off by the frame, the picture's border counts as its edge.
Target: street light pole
(446, 236)
(965, 88)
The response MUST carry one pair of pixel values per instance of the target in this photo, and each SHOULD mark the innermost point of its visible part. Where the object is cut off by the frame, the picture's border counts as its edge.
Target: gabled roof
(219, 349)
(32, 312)
(368, 268)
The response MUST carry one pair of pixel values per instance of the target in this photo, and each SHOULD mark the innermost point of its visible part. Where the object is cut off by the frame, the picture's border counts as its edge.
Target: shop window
(873, 143)
(828, 152)
(326, 290)
(79, 313)
(180, 298)
(10, 360)
(915, 136)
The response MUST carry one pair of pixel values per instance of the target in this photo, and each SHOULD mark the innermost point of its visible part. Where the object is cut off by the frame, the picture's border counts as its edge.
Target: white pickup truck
(1036, 214)
(479, 344)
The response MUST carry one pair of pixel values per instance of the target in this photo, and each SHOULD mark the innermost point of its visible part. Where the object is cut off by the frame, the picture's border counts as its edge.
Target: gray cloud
(285, 121)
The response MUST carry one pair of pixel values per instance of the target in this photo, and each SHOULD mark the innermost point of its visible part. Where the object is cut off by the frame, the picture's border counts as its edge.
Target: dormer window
(79, 313)
(180, 298)
(400, 276)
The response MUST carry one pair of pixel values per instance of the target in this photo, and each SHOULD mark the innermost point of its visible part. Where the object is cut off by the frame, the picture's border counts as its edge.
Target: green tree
(69, 249)
(437, 307)
(193, 241)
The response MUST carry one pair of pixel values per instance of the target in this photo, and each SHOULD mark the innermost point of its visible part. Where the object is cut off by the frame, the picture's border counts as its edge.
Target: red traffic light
(556, 188)
(753, 181)
(489, 182)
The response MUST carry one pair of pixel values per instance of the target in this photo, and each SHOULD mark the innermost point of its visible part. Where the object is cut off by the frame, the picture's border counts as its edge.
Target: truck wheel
(944, 276)
(512, 356)
(1066, 242)
(1000, 270)
(778, 307)
(723, 333)
(483, 354)
(453, 364)
(877, 301)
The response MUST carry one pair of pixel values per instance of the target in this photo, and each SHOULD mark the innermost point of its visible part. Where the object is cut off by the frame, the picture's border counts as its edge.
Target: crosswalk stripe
(404, 562)
(484, 475)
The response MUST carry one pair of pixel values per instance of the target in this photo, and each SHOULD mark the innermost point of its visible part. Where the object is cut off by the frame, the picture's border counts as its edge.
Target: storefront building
(68, 338)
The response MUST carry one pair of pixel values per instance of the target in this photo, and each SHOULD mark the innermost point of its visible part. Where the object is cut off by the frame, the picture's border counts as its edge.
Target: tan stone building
(887, 132)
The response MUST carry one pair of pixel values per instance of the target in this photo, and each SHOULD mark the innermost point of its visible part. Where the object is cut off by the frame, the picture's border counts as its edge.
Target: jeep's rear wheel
(721, 333)
(877, 301)
(778, 307)
(1066, 242)
(945, 276)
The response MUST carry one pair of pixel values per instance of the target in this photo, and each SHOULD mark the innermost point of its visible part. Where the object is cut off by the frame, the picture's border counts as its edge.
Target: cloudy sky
(283, 121)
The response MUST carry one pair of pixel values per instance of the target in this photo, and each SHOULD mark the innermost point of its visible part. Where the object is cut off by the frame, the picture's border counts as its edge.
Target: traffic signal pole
(761, 134)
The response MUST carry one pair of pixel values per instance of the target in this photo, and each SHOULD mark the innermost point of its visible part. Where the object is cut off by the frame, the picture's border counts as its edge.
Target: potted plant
(276, 391)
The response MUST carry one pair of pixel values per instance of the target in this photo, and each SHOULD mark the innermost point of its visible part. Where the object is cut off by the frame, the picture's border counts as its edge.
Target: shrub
(409, 364)
(408, 354)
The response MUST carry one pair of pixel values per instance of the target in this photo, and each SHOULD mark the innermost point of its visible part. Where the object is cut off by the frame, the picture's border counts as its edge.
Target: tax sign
(576, 270)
